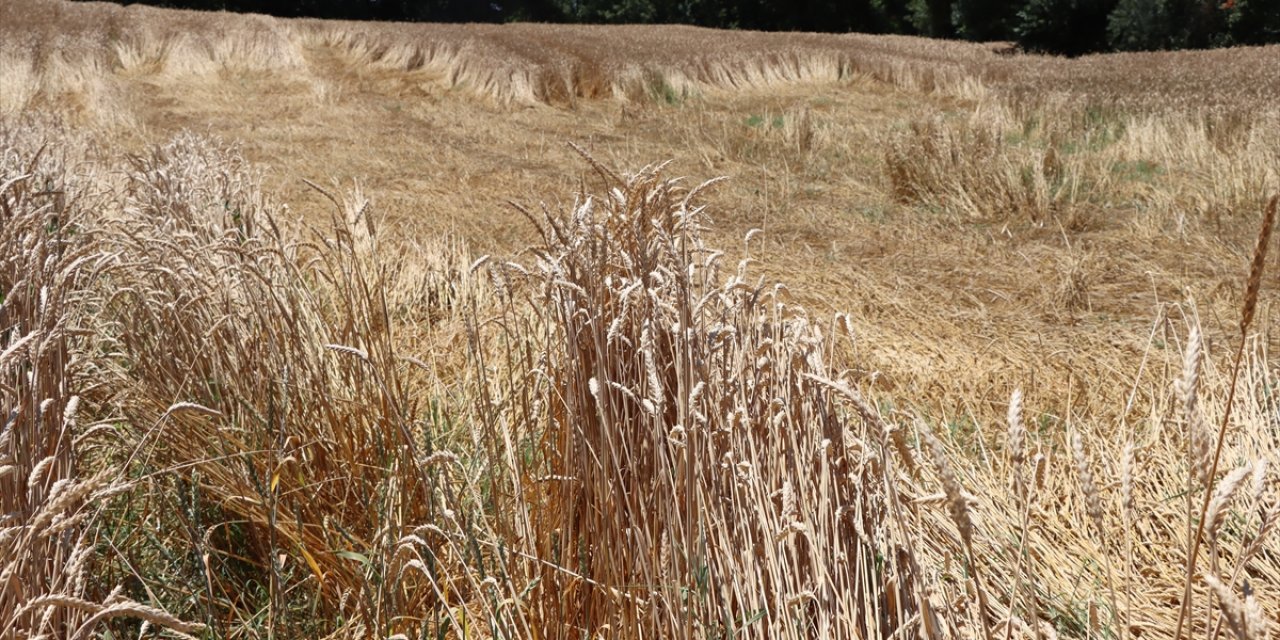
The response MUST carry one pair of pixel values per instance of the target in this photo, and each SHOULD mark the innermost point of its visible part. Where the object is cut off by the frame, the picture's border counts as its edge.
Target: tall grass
(50, 500)
(1062, 166)
(637, 440)
(695, 471)
(275, 411)
(222, 420)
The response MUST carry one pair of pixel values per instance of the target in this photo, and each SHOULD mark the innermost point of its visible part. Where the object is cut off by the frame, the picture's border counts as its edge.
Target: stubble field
(324, 329)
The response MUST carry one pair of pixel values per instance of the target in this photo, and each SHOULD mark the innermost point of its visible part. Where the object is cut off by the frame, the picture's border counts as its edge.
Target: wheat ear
(1246, 318)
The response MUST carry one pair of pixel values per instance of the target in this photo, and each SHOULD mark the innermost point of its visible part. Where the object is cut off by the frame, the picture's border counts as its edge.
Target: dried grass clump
(1205, 167)
(1072, 293)
(101, 39)
(53, 59)
(691, 471)
(49, 505)
(791, 140)
(972, 169)
(560, 64)
(1077, 165)
(185, 44)
(78, 59)
(275, 416)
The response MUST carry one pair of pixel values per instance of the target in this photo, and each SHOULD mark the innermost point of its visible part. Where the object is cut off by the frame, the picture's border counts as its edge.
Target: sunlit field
(374, 330)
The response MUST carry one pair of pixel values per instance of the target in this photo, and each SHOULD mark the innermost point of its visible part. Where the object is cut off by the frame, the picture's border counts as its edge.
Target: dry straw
(697, 434)
(48, 529)
(958, 509)
(612, 434)
(1250, 305)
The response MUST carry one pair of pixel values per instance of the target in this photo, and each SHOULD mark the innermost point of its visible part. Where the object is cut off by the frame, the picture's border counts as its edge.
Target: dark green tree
(984, 20)
(628, 11)
(704, 13)
(1252, 22)
(931, 17)
(1067, 27)
(1195, 24)
(1139, 25)
(894, 15)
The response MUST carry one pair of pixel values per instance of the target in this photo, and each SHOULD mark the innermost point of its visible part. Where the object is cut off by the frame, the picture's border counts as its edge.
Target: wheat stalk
(1250, 305)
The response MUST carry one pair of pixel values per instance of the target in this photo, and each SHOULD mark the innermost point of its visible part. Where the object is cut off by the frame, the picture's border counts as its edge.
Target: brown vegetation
(1016, 379)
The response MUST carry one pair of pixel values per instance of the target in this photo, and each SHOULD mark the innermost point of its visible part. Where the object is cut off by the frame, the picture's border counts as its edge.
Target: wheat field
(360, 330)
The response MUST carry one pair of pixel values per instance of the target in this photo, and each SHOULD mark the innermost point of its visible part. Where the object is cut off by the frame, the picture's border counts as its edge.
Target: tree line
(1069, 27)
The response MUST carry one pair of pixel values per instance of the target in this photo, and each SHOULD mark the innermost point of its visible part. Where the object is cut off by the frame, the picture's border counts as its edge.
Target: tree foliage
(984, 20)
(1069, 27)
(1253, 21)
(1138, 25)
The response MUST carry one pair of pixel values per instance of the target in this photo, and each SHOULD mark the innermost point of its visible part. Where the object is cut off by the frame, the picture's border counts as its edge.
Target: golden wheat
(344, 425)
